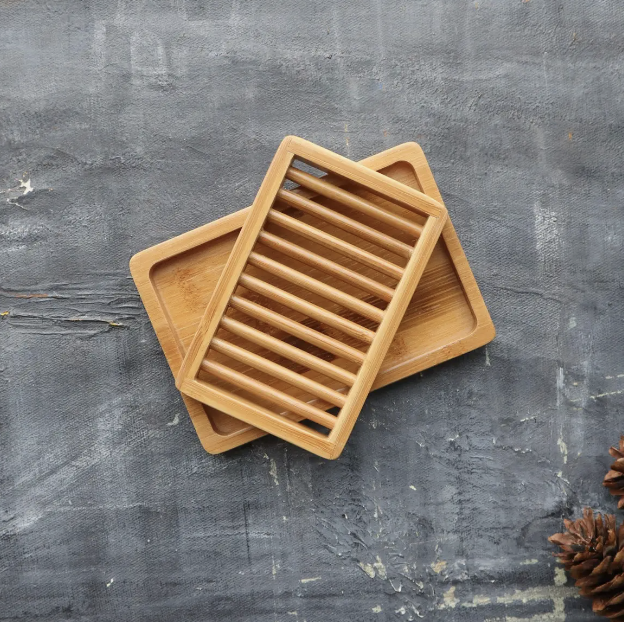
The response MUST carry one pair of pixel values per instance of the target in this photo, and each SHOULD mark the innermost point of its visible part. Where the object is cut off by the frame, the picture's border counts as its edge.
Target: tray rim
(329, 445)
(143, 262)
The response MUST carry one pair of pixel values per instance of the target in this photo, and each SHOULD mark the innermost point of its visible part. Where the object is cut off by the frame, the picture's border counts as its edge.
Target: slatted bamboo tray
(361, 287)
(446, 317)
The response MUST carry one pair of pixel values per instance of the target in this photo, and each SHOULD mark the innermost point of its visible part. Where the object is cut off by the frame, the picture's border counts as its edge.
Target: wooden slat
(326, 265)
(434, 216)
(162, 272)
(353, 201)
(297, 329)
(278, 371)
(287, 351)
(318, 287)
(345, 223)
(269, 393)
(336, 244)
(307, 308)
(222, 399)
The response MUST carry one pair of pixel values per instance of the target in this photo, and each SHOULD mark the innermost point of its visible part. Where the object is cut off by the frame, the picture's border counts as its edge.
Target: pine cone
(593, 554)
(614, 479)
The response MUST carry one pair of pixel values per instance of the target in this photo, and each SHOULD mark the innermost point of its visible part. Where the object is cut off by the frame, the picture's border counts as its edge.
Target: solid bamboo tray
(273, 287)
(446, 317)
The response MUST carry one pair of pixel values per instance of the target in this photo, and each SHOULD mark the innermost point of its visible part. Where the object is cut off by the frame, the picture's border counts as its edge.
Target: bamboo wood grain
(344, 222)
(307, 308)
(226, 400)
(380, 340)
(278, 371)
(446, 316)
(357, 203)
(286, 350)
(297, 329)
(336, 244)
(269, 393)
(390, 189)
(318, 287)
(326, 265)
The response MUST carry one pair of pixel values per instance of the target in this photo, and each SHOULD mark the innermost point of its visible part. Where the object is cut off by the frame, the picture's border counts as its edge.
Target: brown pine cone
(593, 553)
(614, 479)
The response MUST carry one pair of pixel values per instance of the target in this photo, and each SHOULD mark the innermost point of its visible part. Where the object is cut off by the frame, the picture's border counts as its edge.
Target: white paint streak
(310, 580)
(599, 395)
(273, 472)
(377, 609)
(175, 421)
(26, 185)
(438, 566)
(556, 593)
(110, 583)
(487, 358)
(368, 569)
(560, 385)
(450, 602)
(563, 448)
(375, 569)
(477, 601)
(560, 577)
(380, 568)
(529, 562)
(546, 233)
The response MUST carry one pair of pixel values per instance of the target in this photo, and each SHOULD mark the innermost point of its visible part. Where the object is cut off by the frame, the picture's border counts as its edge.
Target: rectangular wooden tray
(298, 325)
(446, 317)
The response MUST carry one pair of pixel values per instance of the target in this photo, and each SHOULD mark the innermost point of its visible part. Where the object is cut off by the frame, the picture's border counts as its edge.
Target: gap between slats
(307, 308)
(329, 241)
(345, 223)
(287, 351)
(318, 287)
(353, 201)
(325, 265)
(269, 393)
(278, 371)
(277, 320)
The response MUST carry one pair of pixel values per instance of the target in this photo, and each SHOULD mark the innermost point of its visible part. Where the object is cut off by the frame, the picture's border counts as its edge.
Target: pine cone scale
(614, 479)
(618, 452)
(592, 548)
(602, 607)
(592, 551)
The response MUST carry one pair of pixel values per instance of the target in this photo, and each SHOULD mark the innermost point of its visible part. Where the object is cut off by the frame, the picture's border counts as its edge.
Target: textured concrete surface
(125, 123)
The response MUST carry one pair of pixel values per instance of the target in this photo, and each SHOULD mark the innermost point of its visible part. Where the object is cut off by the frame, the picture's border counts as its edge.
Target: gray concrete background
(137, 121)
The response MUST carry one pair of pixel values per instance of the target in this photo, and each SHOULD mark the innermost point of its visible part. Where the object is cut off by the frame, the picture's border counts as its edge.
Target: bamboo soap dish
(446, 317)
(257, 376)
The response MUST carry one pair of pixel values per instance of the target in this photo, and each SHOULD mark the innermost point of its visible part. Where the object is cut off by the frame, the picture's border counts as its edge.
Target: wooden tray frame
(325, 445)
(218, 432)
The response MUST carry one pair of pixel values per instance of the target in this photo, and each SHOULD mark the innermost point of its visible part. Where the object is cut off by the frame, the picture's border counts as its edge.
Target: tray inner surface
(184, 284)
